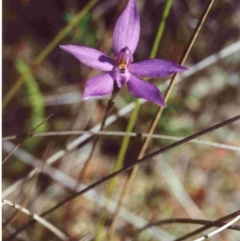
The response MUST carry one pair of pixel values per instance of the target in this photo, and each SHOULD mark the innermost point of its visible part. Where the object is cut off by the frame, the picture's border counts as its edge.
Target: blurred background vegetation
(210, 175)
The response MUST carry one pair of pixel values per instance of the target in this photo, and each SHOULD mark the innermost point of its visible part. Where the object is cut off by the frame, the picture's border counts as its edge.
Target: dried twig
(219, 229)
(207, 226)
(107, 112)
(28, 135)
(37, 218)
(185, 221)
(132, 134)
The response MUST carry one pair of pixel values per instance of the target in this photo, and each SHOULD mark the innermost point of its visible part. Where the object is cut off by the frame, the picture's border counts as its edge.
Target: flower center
(120, 73)
(124, 58)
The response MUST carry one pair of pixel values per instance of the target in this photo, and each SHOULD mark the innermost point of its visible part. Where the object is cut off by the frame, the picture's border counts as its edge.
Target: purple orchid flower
(122, 69)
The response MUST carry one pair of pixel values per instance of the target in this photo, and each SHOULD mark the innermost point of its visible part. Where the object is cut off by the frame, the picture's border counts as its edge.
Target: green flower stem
(161, 28)
(39, 59)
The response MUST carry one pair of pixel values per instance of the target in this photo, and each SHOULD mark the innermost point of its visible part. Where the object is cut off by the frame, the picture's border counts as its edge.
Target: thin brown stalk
(109, 107)
(30, 134)
(184, 221)
(157, 116)
(225, 226)
(207, 226)
(132, 134)
(37, 218)
(87, 163)
(28, 193)
(134, 163)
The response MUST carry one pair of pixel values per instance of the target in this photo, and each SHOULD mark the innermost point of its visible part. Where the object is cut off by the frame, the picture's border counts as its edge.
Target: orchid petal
(90, 57)
(99, 85)
(155, 68)
(145, 90)
(127, 29)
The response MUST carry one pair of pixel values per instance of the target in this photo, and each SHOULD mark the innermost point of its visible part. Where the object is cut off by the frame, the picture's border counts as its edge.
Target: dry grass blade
(170, 87)
(207, 226)
(107, 112)
(30, 134)
(37, 218)
(218, 230)
(27, 195)
(132, 134)
(185, 221)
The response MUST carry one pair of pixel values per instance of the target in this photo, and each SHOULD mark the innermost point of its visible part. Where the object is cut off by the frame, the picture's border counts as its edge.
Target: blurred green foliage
(84, 31)
(36, 101)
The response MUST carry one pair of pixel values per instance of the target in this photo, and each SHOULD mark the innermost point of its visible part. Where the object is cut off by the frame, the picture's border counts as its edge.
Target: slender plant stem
(39, 59)
(37, 218)
(134, 163)
(121, 133)
(185, 221)
(87, 163)
(28, 193)
(161, 28)
(109, 107)
(117, 166)
(30, 134)
(225, 226)
(207, 226)
(157, 117)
